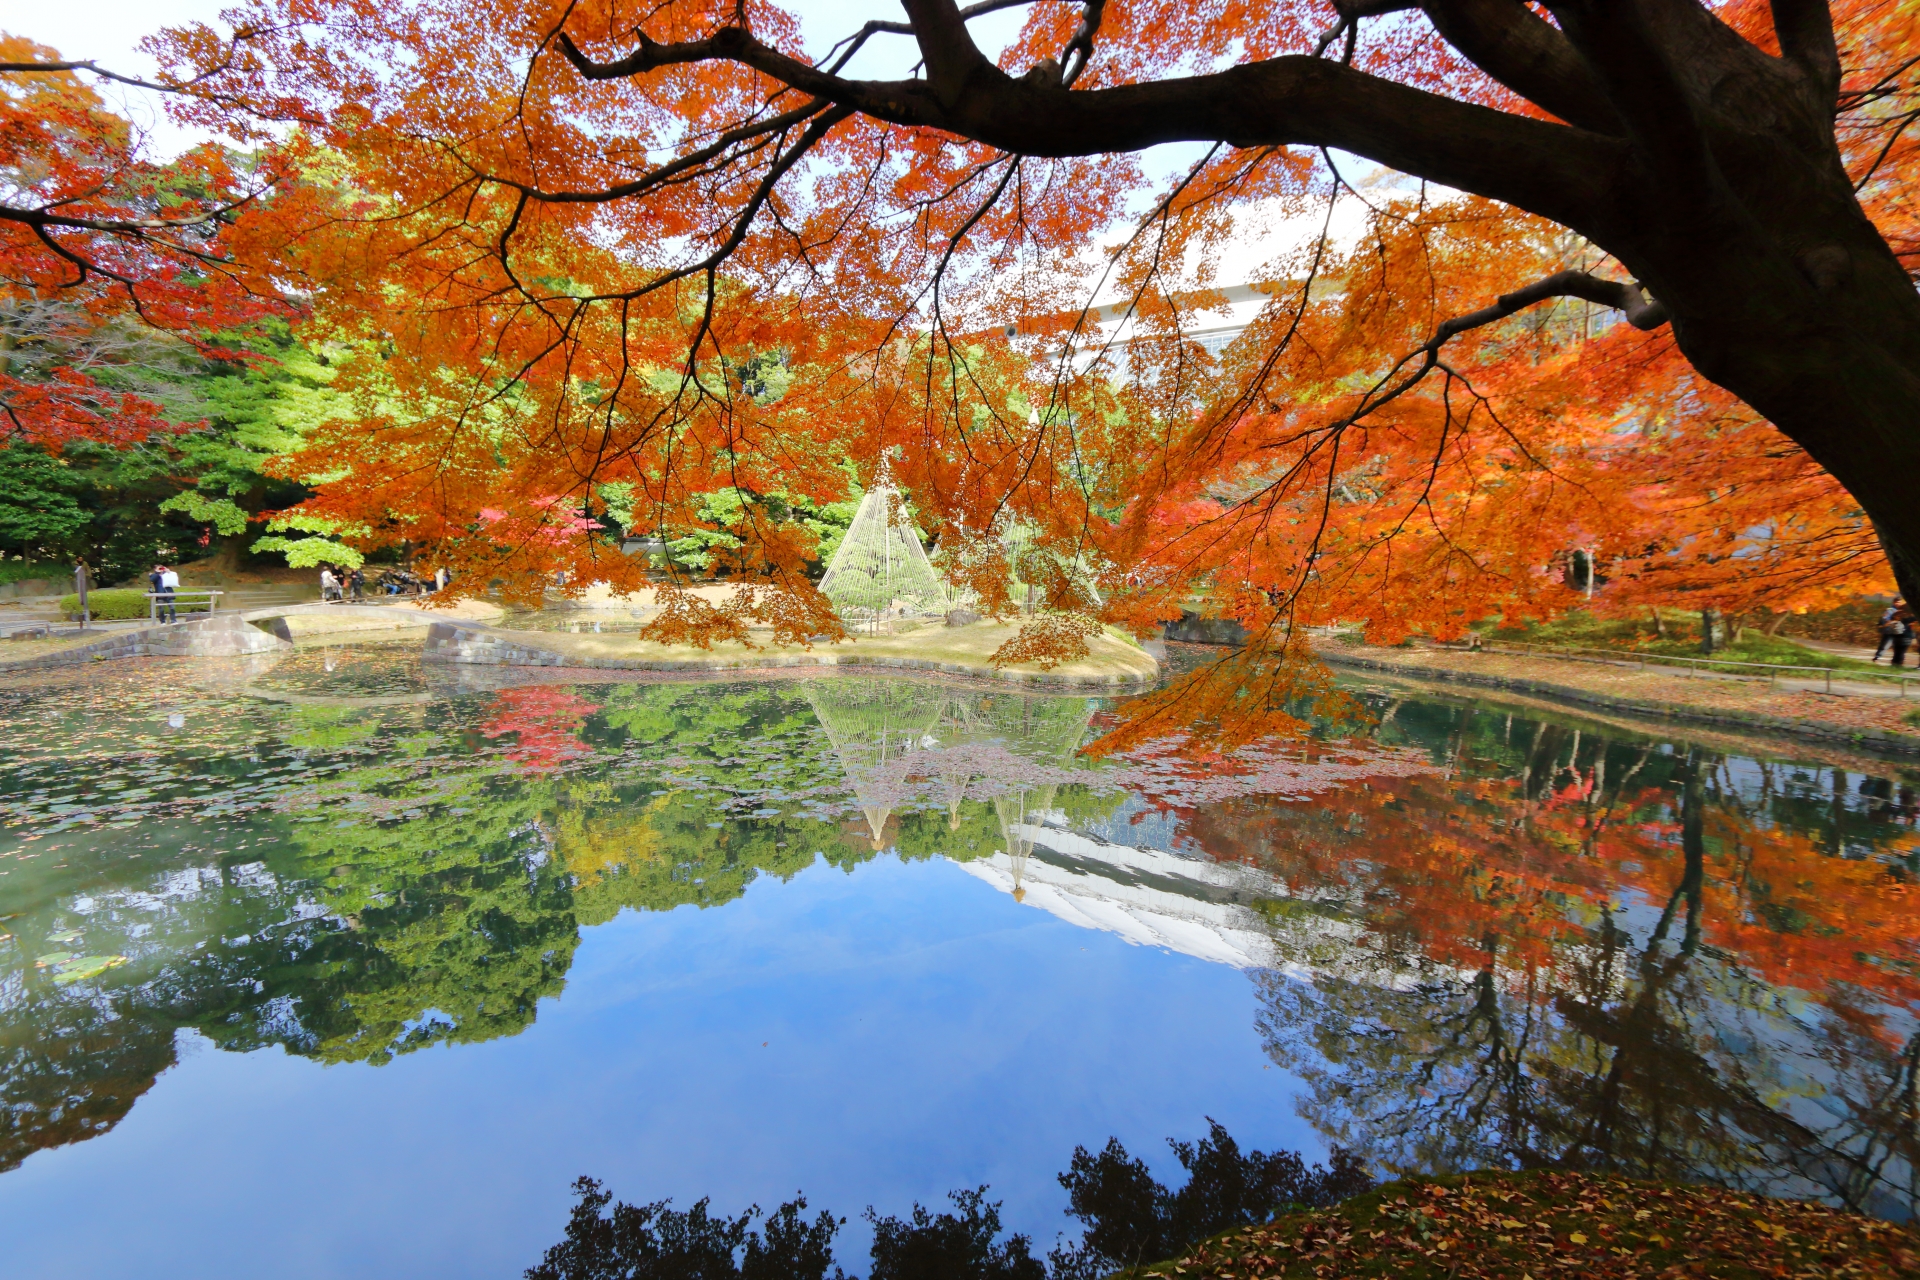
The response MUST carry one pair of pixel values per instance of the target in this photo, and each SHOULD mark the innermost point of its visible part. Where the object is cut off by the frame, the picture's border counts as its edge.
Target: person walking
(1888, 627)
(329, 585)
(168, 584)
(1903, 637)
(355, 581)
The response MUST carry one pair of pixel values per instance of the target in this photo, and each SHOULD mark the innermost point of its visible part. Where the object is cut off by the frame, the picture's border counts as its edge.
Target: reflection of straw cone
(877, 824)
(956, 788)
(1019, 863)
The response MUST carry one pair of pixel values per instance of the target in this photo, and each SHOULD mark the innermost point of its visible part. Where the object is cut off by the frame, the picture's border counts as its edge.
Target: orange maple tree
(608, 255)
(102, 246)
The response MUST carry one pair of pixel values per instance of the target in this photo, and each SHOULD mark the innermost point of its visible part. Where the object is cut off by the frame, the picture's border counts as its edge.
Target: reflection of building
(1147, 896)
(1224, 912)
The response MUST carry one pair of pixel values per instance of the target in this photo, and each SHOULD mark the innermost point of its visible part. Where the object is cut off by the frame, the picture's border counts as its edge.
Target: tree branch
(1805, 29)
(1527, 54)
(1641, 311)
(952, 59)
(1350, 12)
(1557, 171)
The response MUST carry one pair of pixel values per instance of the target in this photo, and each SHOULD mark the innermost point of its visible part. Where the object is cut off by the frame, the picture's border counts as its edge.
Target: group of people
(336, 585)
(1896, 631)
(343, 584)
(163, 582)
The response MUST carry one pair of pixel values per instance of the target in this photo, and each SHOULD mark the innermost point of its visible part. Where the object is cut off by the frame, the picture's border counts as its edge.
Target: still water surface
(347, 967)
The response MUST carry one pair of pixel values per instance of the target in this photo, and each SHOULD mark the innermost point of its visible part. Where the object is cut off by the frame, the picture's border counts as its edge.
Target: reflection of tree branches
(1636, 1048)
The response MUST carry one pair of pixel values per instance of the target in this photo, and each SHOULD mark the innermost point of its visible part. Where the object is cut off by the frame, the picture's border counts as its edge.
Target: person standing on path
(1888, 627)
(329, 585)
(166, 582)
(355, 581)
(1903, 637)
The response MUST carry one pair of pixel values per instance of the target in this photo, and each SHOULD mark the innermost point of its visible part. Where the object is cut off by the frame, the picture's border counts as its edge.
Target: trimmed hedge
(108, 604)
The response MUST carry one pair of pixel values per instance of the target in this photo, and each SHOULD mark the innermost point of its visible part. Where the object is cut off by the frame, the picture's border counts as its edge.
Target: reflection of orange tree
(546, 722)
(1569, 968)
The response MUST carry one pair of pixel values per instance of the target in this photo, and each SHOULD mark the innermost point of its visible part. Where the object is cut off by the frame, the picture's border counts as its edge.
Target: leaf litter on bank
(1502, 1226)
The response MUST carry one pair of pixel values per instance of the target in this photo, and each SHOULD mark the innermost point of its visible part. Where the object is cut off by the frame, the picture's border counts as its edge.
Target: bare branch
(1079, 50)
(44, 68)
(1349, 14)
(1641, 311)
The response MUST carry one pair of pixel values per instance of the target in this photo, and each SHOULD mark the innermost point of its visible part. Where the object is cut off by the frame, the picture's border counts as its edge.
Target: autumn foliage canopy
(566, 285)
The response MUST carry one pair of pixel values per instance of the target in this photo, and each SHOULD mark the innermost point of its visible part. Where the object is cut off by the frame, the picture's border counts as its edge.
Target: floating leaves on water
(68, 967)
(64, 936)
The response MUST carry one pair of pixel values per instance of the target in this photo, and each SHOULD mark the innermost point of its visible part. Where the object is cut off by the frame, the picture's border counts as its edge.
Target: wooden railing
(178, 596)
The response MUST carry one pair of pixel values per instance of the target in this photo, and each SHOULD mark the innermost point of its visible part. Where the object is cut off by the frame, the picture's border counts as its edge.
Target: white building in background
(1267, 255)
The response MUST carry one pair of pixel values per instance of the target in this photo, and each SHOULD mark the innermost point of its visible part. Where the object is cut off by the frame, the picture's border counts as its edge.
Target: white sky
(108, 31)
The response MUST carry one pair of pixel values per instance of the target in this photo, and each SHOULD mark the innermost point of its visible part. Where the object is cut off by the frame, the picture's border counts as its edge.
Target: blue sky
(872, 1038)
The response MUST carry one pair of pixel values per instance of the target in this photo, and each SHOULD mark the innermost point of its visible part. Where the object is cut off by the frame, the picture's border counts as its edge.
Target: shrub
(107, 604)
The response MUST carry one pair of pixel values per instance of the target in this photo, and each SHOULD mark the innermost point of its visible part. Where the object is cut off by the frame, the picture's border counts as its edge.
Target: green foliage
(108, 603)
(880, 567)
(226, 518)
(725, 510)
(310, 553)
(32, 570)
(175, 497)
(40, 513)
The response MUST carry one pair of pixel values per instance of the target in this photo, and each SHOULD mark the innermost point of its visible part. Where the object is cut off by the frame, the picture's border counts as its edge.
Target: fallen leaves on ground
(1504, 1225)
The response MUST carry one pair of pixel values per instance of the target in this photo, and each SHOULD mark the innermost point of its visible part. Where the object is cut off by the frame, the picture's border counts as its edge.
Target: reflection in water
(1594, 954)
(1478, 940)
(897, 740)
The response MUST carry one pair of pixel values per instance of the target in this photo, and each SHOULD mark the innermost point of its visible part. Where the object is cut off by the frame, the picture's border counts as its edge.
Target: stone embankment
(950, 651)
(221, 636)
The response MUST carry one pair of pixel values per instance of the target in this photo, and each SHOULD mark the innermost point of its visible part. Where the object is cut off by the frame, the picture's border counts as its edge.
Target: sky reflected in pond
(347, 965)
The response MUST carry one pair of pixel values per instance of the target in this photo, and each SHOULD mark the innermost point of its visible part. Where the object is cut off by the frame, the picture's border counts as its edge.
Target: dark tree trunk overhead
(1707, 166)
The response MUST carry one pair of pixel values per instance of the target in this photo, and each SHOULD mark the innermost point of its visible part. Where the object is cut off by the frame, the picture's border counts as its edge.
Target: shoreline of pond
(1860, 723)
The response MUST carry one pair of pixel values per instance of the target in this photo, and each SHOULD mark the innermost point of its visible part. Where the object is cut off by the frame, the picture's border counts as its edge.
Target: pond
(351, 962)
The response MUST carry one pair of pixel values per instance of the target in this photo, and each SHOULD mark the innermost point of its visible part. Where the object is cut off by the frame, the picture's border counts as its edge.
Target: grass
(1636, 635)
(1543, 1224)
